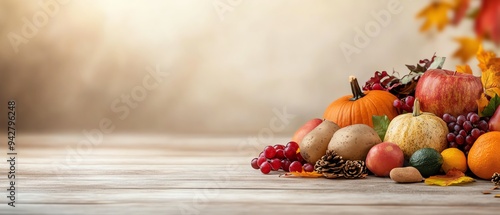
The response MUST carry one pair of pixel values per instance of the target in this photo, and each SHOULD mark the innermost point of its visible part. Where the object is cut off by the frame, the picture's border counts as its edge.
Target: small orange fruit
(453, 158)
(484, 155)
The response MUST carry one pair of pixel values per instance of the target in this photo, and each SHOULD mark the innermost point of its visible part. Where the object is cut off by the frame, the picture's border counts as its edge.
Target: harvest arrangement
(432, 125)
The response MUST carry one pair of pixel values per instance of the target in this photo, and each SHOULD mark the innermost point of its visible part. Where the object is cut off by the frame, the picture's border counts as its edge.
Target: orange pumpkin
(360, 107)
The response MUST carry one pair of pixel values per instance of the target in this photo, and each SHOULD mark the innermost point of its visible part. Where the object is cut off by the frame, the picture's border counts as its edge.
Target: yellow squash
(413, 131)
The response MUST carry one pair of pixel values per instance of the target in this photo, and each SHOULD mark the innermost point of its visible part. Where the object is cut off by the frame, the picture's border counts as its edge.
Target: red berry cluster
(464, 130)
(281, 157)
(405, 103)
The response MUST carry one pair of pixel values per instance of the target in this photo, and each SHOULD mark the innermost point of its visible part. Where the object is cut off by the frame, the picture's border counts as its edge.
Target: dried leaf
(464, 69)
(452, 177)
(303, 174)
(435, 63)
(468, 48)
(435, 14)
(406, 85)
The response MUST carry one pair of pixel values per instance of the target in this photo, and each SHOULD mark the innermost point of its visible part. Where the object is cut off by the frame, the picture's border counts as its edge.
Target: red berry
(474, 118)
(397, 104)
(295, 167)
(276, 164)
(450, 137)
(377, 86)
(461, 119)
(280, 153)
(475, 133)
(308, 167)
(459, 139)
(279, 146)
(261, 160)
(463, 133)
(285, 165)
(265, 167)
(269, 152)
(300, 158)
(293, 145)
(409, 100)
(261, 154)
(469, 140)
(448, 118)
(254, 163)
(290, 153)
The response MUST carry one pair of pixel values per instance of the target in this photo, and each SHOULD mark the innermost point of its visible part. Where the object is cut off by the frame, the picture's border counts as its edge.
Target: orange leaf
(304, 174)
(491, 81)
(464, 69)
(490, 76)
(435, 14)
(486, 59)
(482, 103)
(468, 48)
(452, 177)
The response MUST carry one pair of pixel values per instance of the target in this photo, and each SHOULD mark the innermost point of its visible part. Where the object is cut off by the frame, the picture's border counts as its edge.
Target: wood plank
(217, 179)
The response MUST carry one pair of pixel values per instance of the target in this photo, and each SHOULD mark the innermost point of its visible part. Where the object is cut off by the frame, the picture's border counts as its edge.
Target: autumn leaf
(452, 177)
(486, 24)
(435, 14)
(468, 48)
(486, 59)
(482, 103)
(459, 8)
(491, 81)
(303, 174)
(490, 78)
(464, 69)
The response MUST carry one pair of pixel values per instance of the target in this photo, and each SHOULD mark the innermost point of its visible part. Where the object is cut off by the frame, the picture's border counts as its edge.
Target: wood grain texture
(179, 175)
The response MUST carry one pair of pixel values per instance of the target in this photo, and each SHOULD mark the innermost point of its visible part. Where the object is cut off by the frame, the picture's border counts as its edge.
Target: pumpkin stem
(356, 90)
(416, 107)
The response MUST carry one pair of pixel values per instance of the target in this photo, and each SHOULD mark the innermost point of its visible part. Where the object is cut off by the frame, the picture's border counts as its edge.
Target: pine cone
(354, 169)
(496, 179)
(330, 165)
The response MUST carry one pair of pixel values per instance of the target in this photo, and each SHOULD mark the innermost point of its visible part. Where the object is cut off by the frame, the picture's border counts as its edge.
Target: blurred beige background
(229, 63)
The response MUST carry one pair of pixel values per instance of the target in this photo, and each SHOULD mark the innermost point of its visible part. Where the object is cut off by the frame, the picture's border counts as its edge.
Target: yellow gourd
(413, 131)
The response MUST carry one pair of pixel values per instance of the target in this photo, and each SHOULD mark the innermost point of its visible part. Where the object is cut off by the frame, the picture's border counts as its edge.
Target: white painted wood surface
(179, 175)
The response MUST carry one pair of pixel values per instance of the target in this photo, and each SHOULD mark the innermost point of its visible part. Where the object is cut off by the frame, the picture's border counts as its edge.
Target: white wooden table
(132, 174)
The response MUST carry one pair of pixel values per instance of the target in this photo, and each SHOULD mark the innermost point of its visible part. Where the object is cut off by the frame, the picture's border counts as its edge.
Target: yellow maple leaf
(490, 76)
(452, 177)
(435, 14)
(482, 102)
(468, 48)
(485, 58)
(464, 69)
(491, 81)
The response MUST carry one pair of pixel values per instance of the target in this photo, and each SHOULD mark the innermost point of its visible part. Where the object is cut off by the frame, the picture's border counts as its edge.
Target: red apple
(494, 122)
(384, 157)
(442, 91)
(305, 129)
